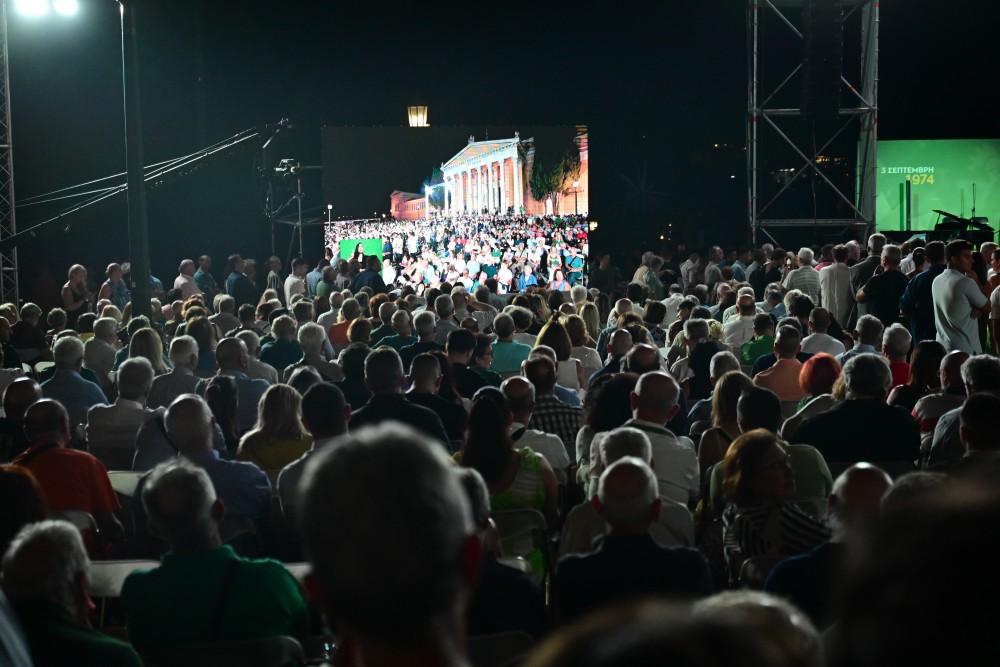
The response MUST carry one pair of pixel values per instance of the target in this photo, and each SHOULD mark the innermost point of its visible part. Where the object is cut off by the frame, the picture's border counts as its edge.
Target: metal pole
(8, 227)
(138, 228)
(754, 83)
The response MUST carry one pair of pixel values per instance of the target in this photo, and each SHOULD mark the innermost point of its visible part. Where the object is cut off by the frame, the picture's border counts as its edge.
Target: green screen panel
(368, 247)
(942, 174)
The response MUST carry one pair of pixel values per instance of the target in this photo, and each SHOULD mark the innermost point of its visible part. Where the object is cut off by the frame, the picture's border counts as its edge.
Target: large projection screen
(943, 175)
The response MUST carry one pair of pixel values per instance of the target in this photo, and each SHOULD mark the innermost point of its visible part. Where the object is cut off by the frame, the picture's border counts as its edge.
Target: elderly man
(400, 331)
(862, 272)
(444, 306)
(618, 346)
(740, 330)
(507, 353)
(387, 607)
(384, 379)
(783, 377)
(67, 386)
(238, 285)
(19, 395)
(257, 369)
(185, 280)
(46, 576)
(867, 336)
(325, 414)
(521, 400)
(805, 278)
(349, 311)
(312, 338)
(811, 580)
(284, 350)
(181, 378)
(627, 563)
(863, 427)
(99, 352)
(835, 292)
(460, 346)
(111, 429)
(425, 326)
(931, 407)
(28, 337)
(242, 487)
(386, 310)
(550, 414)
(425, 383)
(327, 319)
(232, 357)
(202, 592)
(980, 373)
(883, 291)
(69, 478)
(225, 316)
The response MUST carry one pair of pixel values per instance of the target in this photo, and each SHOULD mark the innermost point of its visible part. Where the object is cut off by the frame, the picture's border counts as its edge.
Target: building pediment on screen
(475, 151)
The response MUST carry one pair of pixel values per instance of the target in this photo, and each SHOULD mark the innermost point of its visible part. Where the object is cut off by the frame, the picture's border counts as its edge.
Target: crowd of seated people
(746, 426)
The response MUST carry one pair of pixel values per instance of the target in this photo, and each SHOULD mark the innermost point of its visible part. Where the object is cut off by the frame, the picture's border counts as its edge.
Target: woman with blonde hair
(569, 371)
(278, 438)
(146, 343)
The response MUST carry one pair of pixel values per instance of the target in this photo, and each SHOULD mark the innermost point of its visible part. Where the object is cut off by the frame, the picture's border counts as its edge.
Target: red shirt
(70, 479)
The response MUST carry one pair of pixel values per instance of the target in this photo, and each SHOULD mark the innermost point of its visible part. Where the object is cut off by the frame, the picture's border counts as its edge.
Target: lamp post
(576, 195)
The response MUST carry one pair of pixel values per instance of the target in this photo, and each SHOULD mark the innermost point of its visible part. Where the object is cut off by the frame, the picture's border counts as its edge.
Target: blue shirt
(523, 282)
(312, 280)
(76, 394)
(204, 280)
(119, 295)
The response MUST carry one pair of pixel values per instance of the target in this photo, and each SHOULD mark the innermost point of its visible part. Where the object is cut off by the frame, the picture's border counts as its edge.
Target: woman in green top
(517, 478)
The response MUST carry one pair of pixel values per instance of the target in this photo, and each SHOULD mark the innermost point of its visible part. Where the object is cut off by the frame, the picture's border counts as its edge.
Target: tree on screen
(436, 198)
(556, 163)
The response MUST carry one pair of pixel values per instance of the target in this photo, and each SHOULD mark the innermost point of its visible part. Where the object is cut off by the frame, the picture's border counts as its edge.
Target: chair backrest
(754, 571)
(83, 521)
(503, 649)
(107, 576)
(516, 562)
(515, 523)
(267, 652)
(124, 481)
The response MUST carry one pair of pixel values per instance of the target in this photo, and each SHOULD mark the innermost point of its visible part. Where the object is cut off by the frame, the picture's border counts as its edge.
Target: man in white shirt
(257, 369)
(958, 301)
(675, 297)
(185, 279)
(330, 317)
(739, 330)
(111, 429)
(295, 283)
(835, 290)
(818, 340)
(521, 399)
(654, 403)
(181, 379)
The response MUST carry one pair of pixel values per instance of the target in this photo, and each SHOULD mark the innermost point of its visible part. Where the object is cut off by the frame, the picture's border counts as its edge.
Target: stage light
(417, 115)
(66, 7)
(32, 7)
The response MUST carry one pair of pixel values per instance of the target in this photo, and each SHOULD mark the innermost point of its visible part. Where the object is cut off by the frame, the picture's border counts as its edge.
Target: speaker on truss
(822, 58)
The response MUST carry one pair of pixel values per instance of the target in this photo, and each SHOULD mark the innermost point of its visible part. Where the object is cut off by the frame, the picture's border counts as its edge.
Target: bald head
(628, 496)
(655, 398)
(46, 418)
(643, 358)
(621, 342)
(856, 498)
(189, 424)
(520, 397)
(231, 354)
(623, 306)
(951, 369)
(18, 396)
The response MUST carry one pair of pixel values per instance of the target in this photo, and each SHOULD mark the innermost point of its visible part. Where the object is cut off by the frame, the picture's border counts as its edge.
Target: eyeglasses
(778, 464)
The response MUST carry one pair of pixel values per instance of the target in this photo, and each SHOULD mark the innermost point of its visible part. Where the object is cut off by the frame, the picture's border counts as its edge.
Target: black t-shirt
(882, 294)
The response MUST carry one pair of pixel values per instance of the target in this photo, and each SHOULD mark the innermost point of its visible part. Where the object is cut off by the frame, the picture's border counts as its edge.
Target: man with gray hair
(67, 386)
(805, 278)
(867, 336)
(863, 427)
(99, 352)
(883, 290)
(241, 486)
(508, 354)
(202, 592)
(862, 271)
(349, 311)
(721, 363)
(46, 576)
(811, 580)
(111, 429)
(627, 563)
(386, 310)
(384, 379)
(929, 408)
(284, 350)
(401, 333)
(521, 400)
(444, 306)
(739, 330)
(403, 608)
(425, 326)
(979, 373)
(257, 369)
(654, 404)
(181, 378)
(895, 346)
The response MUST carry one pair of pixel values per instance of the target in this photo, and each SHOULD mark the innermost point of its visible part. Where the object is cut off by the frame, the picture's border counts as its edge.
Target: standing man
(835, 292)
(917, 302)
(185, 280)
(274, 279)
(805, 278)
(884, 290)
(862, 271)
(238, 285)
(605, 277)
(204, 279)
(958, 301)
(295, 283)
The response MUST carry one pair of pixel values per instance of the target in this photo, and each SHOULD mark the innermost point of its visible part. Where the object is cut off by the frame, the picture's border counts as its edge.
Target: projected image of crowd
(753, 456)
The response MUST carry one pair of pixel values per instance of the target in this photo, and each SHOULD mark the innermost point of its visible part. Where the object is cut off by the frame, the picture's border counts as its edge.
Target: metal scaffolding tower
(790, 126)
(8, 255)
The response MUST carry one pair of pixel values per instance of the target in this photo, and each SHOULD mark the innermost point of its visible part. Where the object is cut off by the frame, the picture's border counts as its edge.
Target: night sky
(656, 85)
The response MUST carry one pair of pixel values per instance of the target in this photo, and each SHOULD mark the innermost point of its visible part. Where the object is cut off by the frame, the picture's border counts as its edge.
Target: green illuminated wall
(942, 173)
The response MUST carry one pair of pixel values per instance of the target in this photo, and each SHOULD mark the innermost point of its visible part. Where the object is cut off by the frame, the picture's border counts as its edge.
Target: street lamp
(417, 115)
(576, 195)
(138, 231)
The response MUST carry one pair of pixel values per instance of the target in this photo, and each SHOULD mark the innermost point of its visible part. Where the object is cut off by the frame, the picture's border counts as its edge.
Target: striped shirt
(806, 279)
